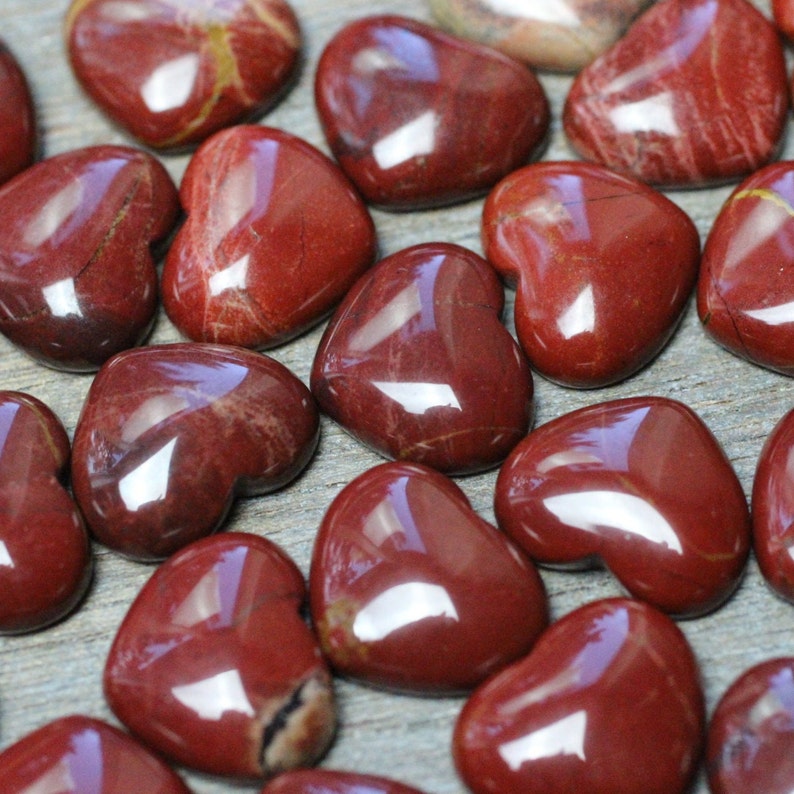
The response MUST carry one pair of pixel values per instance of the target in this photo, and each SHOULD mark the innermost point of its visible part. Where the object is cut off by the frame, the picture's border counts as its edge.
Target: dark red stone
(172, 72)
(746, 286)
(327, 781)
(609, 700)
(45, 558)
(169, 435)
(78, 755)
(694, 93)
(750, 746)
(214, 667)
(17, 118)
(275, 236)
(416, 363)
(639, 485)
(419, 118)
(604, 267)
(77, 278)
(783, 14)
(402, 564)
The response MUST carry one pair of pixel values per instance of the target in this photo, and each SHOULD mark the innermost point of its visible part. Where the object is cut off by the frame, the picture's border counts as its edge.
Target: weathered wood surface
(58, 671)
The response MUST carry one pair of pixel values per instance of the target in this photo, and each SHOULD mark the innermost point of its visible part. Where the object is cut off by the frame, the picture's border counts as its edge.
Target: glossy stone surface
(639, 485)
(18, 137)
(172, 72)
(603, 264)
(77, 755)
(402, 564)
(275, 236)
(609, 700)
(45, 559)
(694, 93)
(169, 435)
(746, 285)
(565, 35)
(750, 744)
(416, 364)
(395, 98)
(77, 277)
(328, 781)
(214, 667)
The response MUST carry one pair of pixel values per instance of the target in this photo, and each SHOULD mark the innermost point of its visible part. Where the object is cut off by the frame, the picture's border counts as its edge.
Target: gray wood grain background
(58, 671)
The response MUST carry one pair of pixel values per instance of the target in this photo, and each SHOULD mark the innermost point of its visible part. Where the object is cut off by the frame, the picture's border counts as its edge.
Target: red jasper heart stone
(77, 276)
(328, 781)
(274, 237)
(18, 137)
(416, 364)
(214, 667)
(588, 710)
(603, 264)
(639, 485)
(171, 72)
(169, 435)
(694, 93)
(77, 754)
(419, 118)
(402, 564)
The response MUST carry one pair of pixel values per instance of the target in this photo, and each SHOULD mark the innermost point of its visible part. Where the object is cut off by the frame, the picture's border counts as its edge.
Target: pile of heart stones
(409, 589)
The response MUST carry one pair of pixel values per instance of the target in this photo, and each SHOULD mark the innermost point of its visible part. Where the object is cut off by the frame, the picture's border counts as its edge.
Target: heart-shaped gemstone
(604, 266)
(696, 92)
(172, 72)
(77, 755)
(170, 434)
(397, 101)
(417, 365)
(275, 235)
(746, 284)
(608, 700)
(45, 559)
(214, 667)
(639, 485)
(328, 781)
(17, 118)
(402, 564)
(77, 278)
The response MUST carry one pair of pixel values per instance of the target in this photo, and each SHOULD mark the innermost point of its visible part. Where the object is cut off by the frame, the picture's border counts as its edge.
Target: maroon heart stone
(170, 434)
(750, 746)
(214, 667)
(397, 101)
(327, 781)
(639, 485)
(694, 93)
(45, 558)
(402, 564)
(604, 266)
(17, 118)
(77, 755)
(746, 288)
(609, 700)
(275, 236)
(77, 277)
(416, 364)
(172, 72)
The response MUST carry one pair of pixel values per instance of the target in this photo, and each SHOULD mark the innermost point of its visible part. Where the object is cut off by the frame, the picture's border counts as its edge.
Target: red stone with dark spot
(275, 236)
(416, 363)
(169, 435)
(750, 745)
(419, 118)
(639, 485)
(746, 286)
(694, 93)
(77, 755)
(783, 14)
(214, 667)
(328, 781)
(604, 267)
(609, 700)
(77, 277)
(172, 72)
(17, 118)
(402, 564)
(45, 559)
